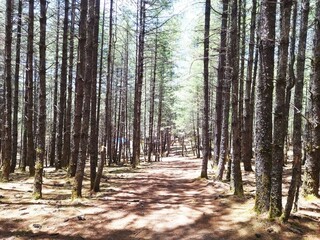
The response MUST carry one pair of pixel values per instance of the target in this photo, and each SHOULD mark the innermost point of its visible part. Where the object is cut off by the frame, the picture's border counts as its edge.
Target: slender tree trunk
(219, 90)
(55, 95)
(291, 79)
(159, 123)
(224, 141)
(198, 139)
(37, 187)
(66, 153)
(246, 148)
(138, 87)
(108, 103)
(242, 51)
(8, 93)
(125, 103)
(88, 26)
(80, 75)
(152, 97)
(63, 87)
(279, 132)
(312, 165)
(24, 151)
(264, 106)
(35, 99)
(297, 121)
(101, 64)
(107, 139)
(206, 107)
(29, 86)
(94, 129)
(233, 59)
(16, 92)
(96, 187)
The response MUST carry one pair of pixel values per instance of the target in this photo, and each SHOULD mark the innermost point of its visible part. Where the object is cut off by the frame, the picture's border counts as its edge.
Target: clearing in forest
(162, 200)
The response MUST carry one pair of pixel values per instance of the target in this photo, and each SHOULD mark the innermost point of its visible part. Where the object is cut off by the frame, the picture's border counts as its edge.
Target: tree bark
(16, 92)
(246, 148)
(94, 129)
(88, 25)
(52, 152)
(311, 174)
(206, 107)
(242, 16)
(96, 187)
(63, 87)
(29, 91)
(224, 141)
(108, 102)
(8, 93)
(37, 187)
(79, 93)
(219, 89)
(297, 121)
(138, 87)
(233, 59)
(264, 106)
(152, 97)
(279, 132)
(66, 152)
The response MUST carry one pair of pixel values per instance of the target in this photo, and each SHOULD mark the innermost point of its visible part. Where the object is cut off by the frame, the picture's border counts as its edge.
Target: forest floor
(162, 200)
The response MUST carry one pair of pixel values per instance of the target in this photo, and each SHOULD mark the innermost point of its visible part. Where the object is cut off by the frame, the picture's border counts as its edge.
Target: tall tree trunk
(80, 76)
(138, 87)
(279, 132)
(108, 102)
(297, 121)
(16, 92)
(37, 187)
(24, 151)
(108, 128)
(66, 153)
(101, 64)
(291, 79)
(88, 28)
(206, 107)
(8, 93)
(219, 90)
(125, 103)
(63, 87)
(198, 139)
(264, 106)
(29, 91)
(152, 97)
(52, 152)
(246, 148)
(94, 129)
(242, 51)
(233, 59)
(159, 123)
(312, 165)
(224, 141)
(98, 177)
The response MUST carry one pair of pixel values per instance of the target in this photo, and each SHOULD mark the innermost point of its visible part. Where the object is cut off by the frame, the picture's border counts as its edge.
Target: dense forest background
(117, 82)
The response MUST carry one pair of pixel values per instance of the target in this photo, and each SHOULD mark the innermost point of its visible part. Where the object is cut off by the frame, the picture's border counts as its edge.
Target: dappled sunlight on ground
(162, 200)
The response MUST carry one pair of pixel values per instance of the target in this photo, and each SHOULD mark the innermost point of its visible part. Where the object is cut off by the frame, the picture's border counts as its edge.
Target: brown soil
(163, 200)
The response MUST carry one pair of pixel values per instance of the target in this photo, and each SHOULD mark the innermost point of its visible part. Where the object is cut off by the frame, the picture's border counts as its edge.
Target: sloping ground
(163, 200)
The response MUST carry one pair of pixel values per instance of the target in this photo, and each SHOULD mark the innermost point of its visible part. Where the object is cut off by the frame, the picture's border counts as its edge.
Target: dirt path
(164, 200)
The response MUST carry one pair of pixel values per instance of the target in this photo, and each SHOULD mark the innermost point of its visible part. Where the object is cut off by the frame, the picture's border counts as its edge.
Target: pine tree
(40, 152)
(264, 106)
(312, 165)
